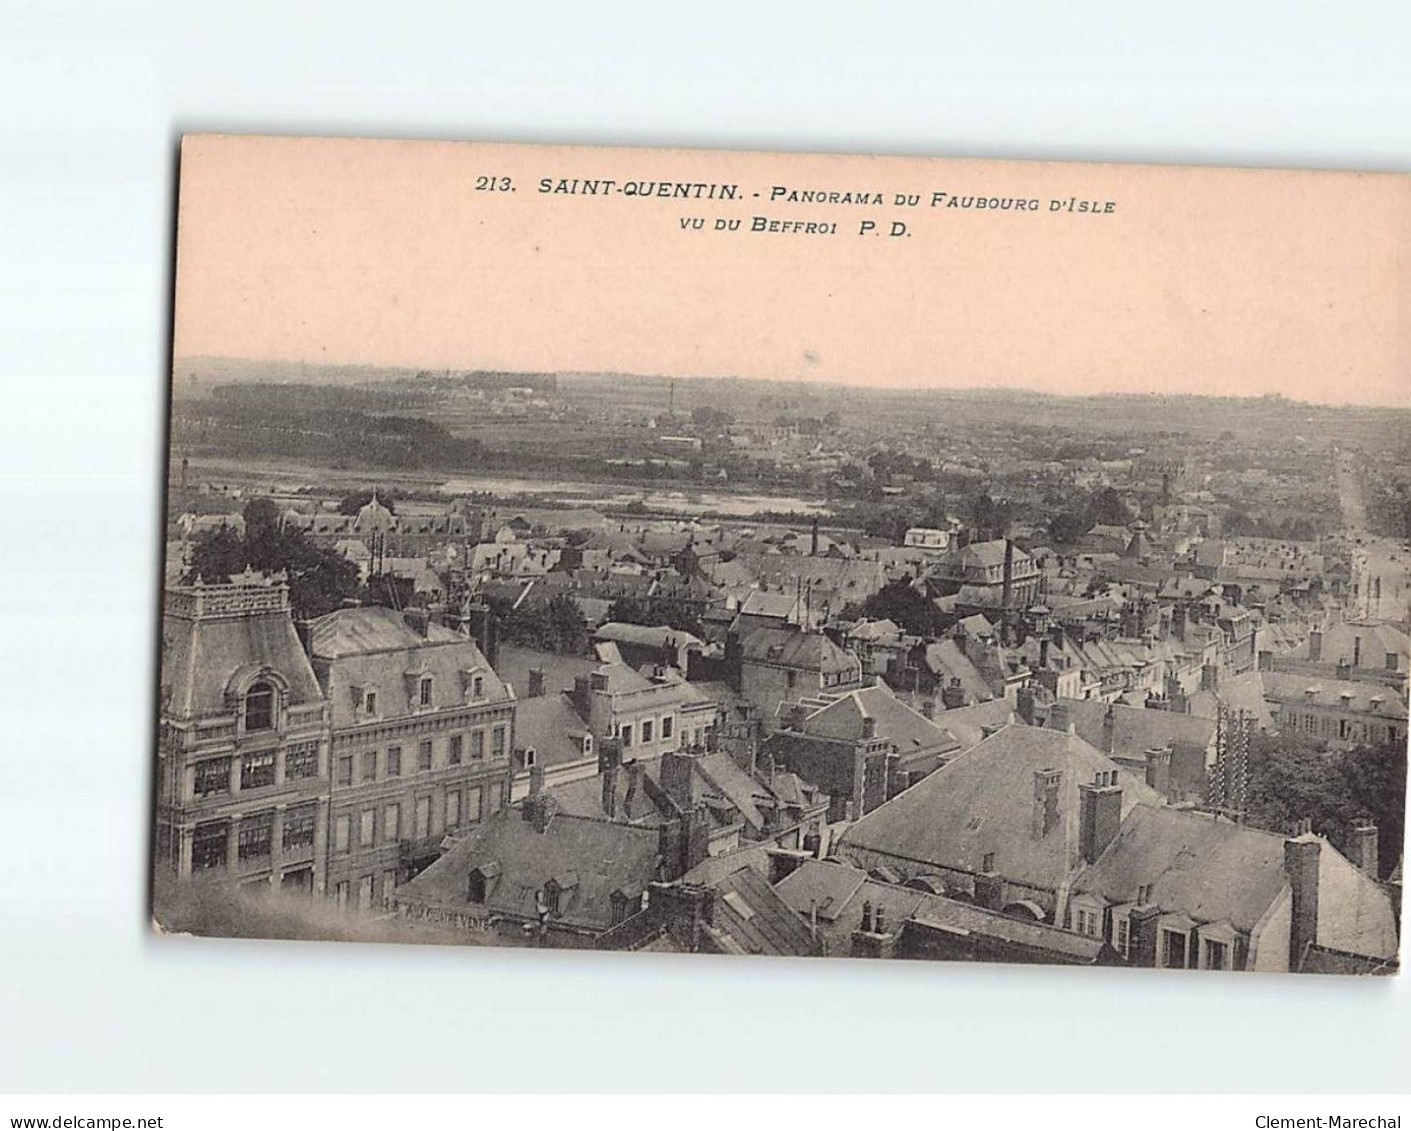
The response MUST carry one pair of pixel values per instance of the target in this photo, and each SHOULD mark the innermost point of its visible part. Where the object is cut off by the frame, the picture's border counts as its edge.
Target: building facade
(422, 734)
(243, 751)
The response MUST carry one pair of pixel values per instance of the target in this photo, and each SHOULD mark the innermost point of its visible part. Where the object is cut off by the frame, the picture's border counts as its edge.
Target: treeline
(316, 424)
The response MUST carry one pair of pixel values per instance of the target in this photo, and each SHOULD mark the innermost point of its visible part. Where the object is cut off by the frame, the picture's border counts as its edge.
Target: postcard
(786, 554)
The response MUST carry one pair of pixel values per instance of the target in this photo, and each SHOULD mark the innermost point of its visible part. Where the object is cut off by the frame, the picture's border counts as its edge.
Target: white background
(92, 99)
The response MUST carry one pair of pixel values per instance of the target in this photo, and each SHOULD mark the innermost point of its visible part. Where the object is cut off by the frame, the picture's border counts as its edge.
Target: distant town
(741, 667)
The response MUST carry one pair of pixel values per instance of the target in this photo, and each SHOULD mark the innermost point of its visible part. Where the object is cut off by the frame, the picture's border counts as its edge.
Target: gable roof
(893, 720)
(750, 917)
(1135, 730)
(550, 726)
(589, 859)
(1212, 869)
(983, 801)
(790, 647)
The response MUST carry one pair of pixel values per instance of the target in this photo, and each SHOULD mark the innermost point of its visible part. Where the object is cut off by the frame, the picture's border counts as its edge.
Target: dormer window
(423, 691)
(369, 702)
(530, 757)
(259, 707)
(587, 746)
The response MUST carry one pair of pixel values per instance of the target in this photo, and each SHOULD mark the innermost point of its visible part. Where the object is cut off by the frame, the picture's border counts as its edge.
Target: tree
(1290, 781)
(1067, 527)
(900, 603)
(1108, 508)
(669, 612)
(319, 578)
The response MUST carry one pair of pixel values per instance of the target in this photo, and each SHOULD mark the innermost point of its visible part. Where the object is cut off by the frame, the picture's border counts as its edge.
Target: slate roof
(788, 647)
(514, 662)
(589, 858)
(1135, 730)
(894, 721)
(375, 649)
(1290, 690)
(550, 725)
(1214, 870)
(967, 724)
(1244, 692)
(752, 918)
(839, 890)
(947, 662)
(200, 659)
(983, 801)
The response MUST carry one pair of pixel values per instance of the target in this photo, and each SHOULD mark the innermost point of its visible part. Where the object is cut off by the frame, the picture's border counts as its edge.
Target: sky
(1194, 281)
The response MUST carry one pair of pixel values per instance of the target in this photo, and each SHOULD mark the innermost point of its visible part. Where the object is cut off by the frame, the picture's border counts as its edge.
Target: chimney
(1209, 678)
(417, 620)
(609, 776)
(1043, 653)
(304, 630)
(928, 708)
(872, 939)
(869, 727)
(536, 780)
(1357, 651)
(1048, 784)
(813, 550)
(635, 773)
(953, 695)
(677, 776)
(1024, 701)
(697, 835)
(1099, 814)
(1007, 590)
(1109, 730)
(1058, 717)
(1301, 853)
(485, 630)
(1315, 645)
(582, 697)
(1158, 770)
(989, 885)
(1363, 847)
(536, 683)
(609, 754)
(1142, 923)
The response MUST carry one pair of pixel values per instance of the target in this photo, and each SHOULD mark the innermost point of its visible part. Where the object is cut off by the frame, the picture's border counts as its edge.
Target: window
(453, 808)
(208, 845)
(1121, 934)
(342, 833)
(345, 770)
(477, 745)
(626, 735)
(370, 702)
(366, 830)
(423, 818)
(370, 765)
(1174, 949)
(495, 797)
(1217, 955)
(457, 745)
(472, 803)
(365, 893)
(340, 894)
(646, 730)
(301, 762)
(389, 884)
(552, 897)
(1087, 921)
(212, 776)
(497, 742)
(392, 822)
(988, 863)
(394, 761)
(423, 755)
(423, 691)
(299, 827)
(791, 677)
(667, 726)
(1391, 661)
(475, 889)
(259, 707)
(477, 687)
(529, 757)
(257, 770)
(256, 833)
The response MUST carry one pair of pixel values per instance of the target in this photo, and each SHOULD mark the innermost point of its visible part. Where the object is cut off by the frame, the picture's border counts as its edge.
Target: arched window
(259, 707)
